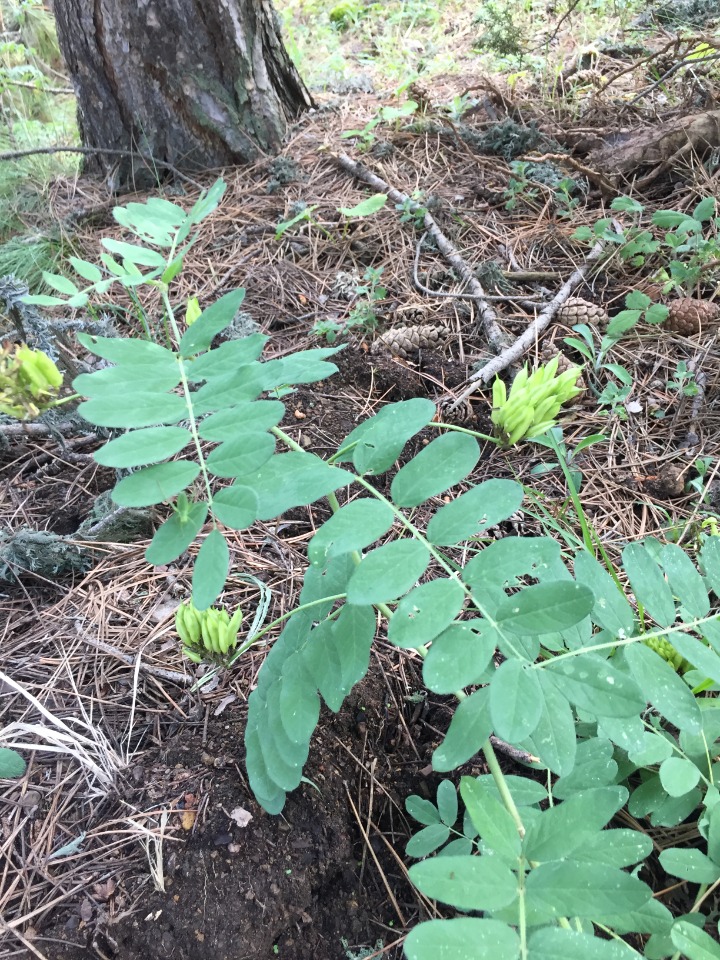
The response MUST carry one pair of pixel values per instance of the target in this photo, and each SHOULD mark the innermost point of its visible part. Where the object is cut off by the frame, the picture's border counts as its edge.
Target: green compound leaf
(593, 684)
(366, 207)
(337, 655)
(428, 840)
(322, 663)
(131, 352)
(306, 366)
(141, 447)
(501, 565)
(268, 794)
(611, 610)
(238, 389)
(648, 584)
(652, 749)
(443, 463)
(374, 445)
(210, 571)
(710, 560)
(299, 702)
(516, 700)
(236, 506)
(227, 359)
(526, 793)
(459, 657)
(207, 202)
(284, 760)
(422, 810)
(694, 943)
(447, 802)
(594, 767)
(690, 865)
(616, 848)
(137, 409)
(134, 253)
(255, 414)
(569, 889)
(388, 572)
(120, 381)
(469, 883)
(553, 740)
(469, 729)
(12, 764)
(176, 534)
(492, 821)
(700, 656)
(247, 452)
(652, 917)
(425, 612)
(464, 938)
(545, 607)
(566, 827)
(678, 776)
(485, 505)
(153, 485)
(210, 323)
(290, 480)
(553, 943)
(685, 582)
(88, 271)
(354, 527)
(60, 283)
(665, 690)
(713, 836)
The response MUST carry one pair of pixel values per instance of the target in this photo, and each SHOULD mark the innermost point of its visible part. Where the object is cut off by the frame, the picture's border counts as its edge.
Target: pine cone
(576, 310)
(462, 415)
(688, 315)
(406, 341)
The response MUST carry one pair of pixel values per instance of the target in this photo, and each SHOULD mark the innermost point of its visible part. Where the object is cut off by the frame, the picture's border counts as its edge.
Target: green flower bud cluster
(207, 634)
(29, 381)
(534, 401)
(663, 647)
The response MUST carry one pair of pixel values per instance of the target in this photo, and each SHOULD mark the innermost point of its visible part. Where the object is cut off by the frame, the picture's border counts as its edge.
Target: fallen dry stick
(526, 340)
(488, 317)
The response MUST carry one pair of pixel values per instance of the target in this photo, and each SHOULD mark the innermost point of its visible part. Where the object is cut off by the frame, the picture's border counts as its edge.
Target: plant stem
(501, 783)
(188, 401)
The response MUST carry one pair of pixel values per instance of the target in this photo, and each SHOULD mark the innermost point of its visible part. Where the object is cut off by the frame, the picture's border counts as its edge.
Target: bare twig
(34, 86)
(688, 61)
(488, 317)
(546, 43)
(638, 63)
(163, 674)
(530, 336)
(514, 298)
(38, 429)
(90, 151)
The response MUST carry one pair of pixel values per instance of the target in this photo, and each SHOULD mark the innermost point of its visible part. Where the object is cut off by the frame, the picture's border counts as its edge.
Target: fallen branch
(488, 317)
(419, 285)
(134, 660)
(530, 336)
(90, 151)
(38, 429)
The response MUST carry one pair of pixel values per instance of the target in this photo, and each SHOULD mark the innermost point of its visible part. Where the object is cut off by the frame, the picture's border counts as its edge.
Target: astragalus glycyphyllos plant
(541, 647)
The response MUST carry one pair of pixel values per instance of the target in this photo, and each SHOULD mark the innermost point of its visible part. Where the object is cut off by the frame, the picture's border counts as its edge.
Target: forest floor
(142, 839)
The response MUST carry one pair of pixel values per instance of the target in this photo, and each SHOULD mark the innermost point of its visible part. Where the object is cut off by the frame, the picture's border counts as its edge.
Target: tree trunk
(193, 83)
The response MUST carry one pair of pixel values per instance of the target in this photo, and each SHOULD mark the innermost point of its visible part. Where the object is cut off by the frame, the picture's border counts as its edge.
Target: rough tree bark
(194, 83)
